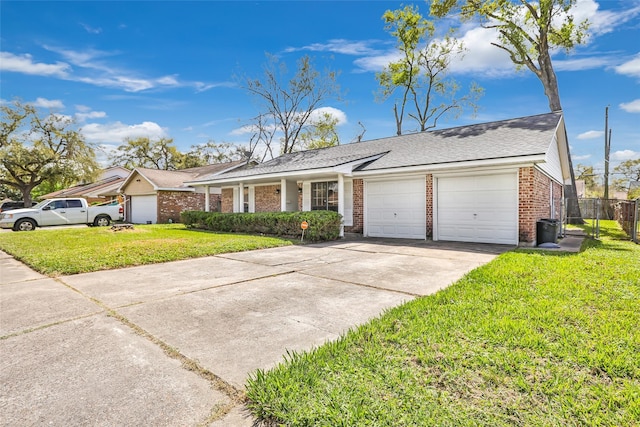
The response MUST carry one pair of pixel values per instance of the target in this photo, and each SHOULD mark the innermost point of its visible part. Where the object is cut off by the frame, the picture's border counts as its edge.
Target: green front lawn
(533, 338)
(55, 252)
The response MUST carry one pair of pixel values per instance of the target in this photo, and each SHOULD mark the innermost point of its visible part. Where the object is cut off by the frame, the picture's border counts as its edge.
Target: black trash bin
(547, 230)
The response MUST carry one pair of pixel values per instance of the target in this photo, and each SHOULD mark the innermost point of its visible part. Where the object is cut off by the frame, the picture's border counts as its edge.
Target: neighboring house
(159, 196)
(487, 182)
(104, 189)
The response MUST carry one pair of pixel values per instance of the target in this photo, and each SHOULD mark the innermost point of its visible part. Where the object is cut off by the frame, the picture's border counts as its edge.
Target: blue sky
(166, 69)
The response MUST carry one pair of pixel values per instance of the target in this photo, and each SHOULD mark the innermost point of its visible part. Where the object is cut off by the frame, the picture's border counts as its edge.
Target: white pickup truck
(61, 212)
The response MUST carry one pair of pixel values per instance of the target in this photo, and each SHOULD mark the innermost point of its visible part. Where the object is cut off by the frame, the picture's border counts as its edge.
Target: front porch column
(240, 206)
(341, 201)
(283, 195)
(206, 198)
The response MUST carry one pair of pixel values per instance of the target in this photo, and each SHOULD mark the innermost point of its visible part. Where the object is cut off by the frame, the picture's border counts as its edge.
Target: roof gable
(177, 179)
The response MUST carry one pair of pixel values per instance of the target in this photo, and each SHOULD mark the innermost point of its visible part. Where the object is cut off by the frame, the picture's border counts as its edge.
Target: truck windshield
(41, 204)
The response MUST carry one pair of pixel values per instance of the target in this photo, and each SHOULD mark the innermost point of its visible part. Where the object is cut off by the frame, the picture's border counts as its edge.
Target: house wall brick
(266, 198)
(227, 200)
(535, 201)
(358, 208)
(429, 202)
(172, 203)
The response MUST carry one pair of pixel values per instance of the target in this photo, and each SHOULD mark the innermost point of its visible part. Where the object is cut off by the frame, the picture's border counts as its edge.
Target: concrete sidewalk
(172, 344)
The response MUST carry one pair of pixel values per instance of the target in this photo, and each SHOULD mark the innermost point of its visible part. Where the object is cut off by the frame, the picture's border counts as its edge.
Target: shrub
(323, 225)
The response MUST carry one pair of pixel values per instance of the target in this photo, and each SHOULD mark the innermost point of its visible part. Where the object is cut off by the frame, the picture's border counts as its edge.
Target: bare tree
(288, 104)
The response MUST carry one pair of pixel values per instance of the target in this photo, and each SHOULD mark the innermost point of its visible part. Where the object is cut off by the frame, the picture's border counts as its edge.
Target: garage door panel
(396, 208)
(144, 209)
(478, 208)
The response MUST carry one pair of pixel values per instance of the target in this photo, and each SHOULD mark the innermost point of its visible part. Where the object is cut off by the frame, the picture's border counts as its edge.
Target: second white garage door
(144, 209)
(480, 209)
(396, 208)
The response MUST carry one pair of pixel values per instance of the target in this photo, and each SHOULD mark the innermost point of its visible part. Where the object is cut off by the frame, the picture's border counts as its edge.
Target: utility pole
(607, 149)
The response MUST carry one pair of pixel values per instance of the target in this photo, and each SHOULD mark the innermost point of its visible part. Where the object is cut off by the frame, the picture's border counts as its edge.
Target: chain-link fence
(625, 212)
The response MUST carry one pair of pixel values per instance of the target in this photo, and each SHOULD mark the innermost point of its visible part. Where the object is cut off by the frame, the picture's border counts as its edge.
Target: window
(245, 198)
(58, 204)
(324, 196)
(74, 204)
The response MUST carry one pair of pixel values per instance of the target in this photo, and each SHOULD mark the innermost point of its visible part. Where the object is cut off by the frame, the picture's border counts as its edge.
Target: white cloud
(91, 30)
(92, 68)
(375, 63)
(583, 157)
(340, 115)
(48, 103)
(631, 107)
(249, 129)
(602, 21)
(81, 117)
(341, 46)
(621, 156)
(588, 63)
(591, 134)
(25, 64)
(315, 115)
(481, 56)
(117, 132)
(630, 68)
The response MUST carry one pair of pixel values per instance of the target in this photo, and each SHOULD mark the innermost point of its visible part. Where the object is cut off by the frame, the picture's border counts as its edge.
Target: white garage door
(480, 209)
(396, 208)
(144, 209)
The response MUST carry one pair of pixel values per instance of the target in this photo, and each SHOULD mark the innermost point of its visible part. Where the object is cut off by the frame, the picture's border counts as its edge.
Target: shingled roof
(175, 179)
(520, 137)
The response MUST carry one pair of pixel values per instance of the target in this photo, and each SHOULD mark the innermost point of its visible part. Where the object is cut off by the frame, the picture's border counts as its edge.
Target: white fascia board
(275, 177)
(345, 169)
(487, 164)
(249, 184)
(188, 190)
(563, 149)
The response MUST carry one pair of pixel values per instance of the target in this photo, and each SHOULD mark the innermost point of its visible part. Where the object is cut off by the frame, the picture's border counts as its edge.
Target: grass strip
(532, 338)
(81, 250)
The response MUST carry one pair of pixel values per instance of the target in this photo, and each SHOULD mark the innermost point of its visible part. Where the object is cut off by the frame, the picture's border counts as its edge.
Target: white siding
(552, 165)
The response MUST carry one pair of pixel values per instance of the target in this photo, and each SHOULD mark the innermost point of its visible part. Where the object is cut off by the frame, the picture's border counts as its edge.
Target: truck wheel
(102, 221)
(24, 225)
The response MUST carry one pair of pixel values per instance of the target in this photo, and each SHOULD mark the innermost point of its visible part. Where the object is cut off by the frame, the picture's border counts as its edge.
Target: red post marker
(304, 225)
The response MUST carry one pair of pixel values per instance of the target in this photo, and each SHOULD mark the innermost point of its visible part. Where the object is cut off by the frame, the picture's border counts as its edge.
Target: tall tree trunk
(550, 84)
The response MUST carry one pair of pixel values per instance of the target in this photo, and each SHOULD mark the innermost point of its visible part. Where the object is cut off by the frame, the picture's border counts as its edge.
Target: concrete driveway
(172, 344)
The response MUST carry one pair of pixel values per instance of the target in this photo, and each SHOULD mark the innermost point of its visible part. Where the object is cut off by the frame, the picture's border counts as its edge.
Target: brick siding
(227, 200)
(534, 204)
(358, 208)
(266, 198)
(172, 203)
(429, 200)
